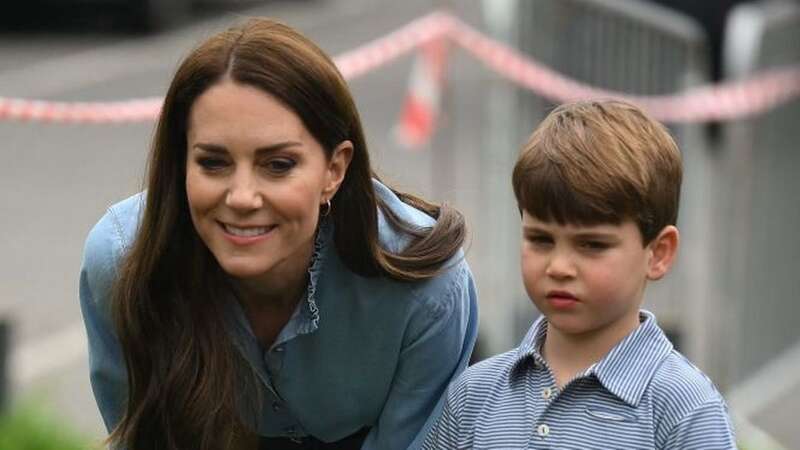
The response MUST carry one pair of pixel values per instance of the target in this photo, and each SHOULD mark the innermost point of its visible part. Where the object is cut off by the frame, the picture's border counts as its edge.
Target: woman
(267, 286)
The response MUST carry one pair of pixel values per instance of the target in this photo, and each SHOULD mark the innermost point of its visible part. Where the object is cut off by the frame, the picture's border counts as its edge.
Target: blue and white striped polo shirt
(642, 395)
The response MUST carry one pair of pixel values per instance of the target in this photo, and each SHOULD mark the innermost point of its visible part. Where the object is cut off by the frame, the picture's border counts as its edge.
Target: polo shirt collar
(625, 371)
(530, 349)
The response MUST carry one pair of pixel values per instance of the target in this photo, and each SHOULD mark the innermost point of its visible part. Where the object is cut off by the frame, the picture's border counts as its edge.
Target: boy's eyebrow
(534, 229)
(220, 149)
(579, 235)
(594, 235)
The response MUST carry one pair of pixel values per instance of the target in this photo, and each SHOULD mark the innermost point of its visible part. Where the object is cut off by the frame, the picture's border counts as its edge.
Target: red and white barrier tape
(724, 101)
(369, 57)
(138, 110)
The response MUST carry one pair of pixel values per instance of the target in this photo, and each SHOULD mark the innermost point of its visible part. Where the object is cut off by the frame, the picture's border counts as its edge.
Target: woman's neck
(279, 288)
(270, 299)
(280, 295)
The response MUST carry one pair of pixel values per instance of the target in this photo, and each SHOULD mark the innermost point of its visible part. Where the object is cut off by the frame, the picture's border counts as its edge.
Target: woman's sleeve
(107, 371)
(436, 349)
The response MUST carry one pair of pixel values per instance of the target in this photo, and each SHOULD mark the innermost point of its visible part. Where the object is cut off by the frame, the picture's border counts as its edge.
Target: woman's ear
(663, 249)
(337, 168)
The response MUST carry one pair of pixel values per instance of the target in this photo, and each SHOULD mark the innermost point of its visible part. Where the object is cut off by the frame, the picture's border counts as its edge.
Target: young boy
(598, 186)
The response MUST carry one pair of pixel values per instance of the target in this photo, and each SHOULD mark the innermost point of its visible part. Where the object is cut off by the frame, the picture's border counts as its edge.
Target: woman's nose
(243, 193)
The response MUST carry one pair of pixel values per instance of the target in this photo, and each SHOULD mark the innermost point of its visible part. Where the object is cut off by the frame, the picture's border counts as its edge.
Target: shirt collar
(626, 370)
(306, 316)
(310, 308)
(530, 349)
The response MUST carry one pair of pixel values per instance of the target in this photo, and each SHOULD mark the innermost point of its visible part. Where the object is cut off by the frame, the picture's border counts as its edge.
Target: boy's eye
(280, 165)
(212, 163)
(539, 239)
(595, 245)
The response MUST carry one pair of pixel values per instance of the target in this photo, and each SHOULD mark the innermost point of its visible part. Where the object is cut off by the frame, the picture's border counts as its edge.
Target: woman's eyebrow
(277, 146)
(215, 148)
(210, 148)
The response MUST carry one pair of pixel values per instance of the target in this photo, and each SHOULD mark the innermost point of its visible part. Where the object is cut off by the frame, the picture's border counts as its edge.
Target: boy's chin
(571, 327)
(578, 326)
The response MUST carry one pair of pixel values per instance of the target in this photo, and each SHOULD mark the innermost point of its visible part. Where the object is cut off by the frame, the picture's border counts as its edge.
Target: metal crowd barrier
(637, 47)
(764, 212)
(5, 350)
(759, 213)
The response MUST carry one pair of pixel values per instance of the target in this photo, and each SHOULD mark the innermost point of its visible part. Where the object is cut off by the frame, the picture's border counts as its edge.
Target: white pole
(502, 291)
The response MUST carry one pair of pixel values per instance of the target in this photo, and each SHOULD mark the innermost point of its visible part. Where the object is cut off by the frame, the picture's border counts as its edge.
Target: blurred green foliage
(29, 428)
(750, 446)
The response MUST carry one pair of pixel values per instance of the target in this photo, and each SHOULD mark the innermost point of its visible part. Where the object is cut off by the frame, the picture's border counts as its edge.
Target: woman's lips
(246, 234)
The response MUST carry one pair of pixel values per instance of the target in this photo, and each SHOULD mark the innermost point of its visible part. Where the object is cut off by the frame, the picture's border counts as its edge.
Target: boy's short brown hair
(594, 162)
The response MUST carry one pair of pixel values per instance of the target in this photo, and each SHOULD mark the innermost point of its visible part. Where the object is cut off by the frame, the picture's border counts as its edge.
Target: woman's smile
(246, 234)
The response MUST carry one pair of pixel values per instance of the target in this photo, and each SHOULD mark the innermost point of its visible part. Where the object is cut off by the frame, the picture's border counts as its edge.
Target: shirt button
(547, 393)
(292, 432)
(279, 349)
(543, 430)
(276, 406)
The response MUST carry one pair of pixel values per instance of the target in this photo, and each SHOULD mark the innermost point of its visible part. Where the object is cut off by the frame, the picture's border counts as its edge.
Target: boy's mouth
(561, 295)
(561, 299)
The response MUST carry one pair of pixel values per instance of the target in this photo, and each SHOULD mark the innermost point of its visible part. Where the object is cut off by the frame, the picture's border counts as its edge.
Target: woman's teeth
(245, 232)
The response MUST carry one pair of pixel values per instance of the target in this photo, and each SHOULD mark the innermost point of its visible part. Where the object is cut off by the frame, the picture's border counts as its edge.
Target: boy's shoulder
(679, 388)
(495, 376)
(678, 379)
(490, 368)
(485, 377)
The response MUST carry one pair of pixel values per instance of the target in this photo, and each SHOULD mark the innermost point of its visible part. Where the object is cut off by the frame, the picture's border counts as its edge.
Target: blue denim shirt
(357, 352)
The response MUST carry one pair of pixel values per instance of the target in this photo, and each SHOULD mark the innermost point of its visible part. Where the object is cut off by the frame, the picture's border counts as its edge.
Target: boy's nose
(560, 266)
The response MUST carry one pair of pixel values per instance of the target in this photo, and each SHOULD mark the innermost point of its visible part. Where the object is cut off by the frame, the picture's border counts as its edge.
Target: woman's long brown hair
(187, 383)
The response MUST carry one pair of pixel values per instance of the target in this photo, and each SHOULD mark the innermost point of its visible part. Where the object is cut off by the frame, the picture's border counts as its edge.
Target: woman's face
(255, 180)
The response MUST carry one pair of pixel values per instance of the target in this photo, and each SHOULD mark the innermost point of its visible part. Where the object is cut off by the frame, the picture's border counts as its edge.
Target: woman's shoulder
(119, 224)
(126, 215)
(453, 279)
(110, 237)
(390, 237)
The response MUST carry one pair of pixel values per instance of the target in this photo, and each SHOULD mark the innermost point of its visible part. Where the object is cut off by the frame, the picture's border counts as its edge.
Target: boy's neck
(570, 354)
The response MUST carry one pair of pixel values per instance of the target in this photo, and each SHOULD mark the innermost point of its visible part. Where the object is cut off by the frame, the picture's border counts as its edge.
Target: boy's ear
(663, 249)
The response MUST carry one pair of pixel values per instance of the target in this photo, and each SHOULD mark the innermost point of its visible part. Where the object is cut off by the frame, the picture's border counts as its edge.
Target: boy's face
(587, 279)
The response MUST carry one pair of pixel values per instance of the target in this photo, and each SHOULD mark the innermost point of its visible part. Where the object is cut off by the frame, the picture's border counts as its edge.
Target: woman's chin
(242, 270)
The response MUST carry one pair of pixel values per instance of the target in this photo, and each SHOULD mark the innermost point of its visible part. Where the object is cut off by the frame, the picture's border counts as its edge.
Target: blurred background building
(730, 305)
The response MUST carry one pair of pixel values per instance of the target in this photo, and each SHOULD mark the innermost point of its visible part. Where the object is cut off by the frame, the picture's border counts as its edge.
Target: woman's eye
(212, 164)
(280, 165)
